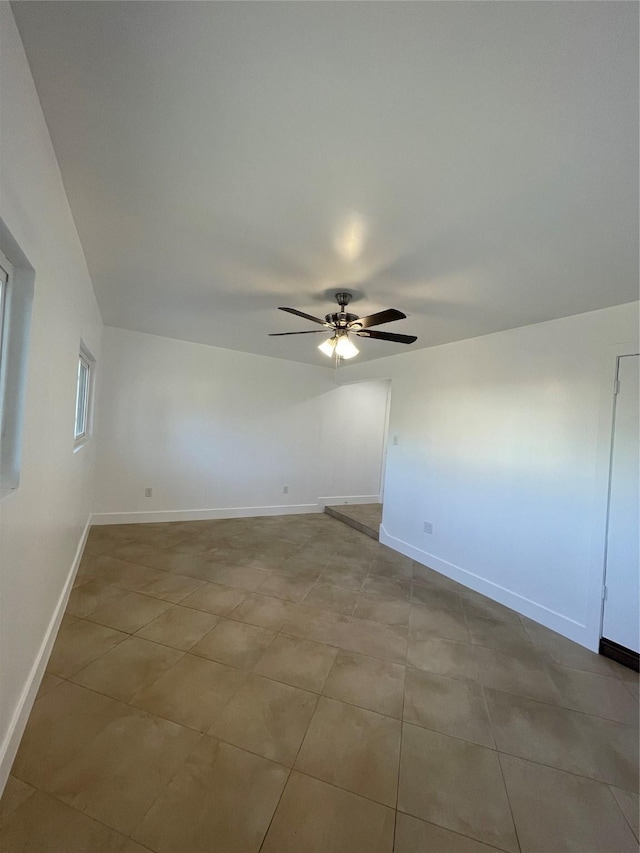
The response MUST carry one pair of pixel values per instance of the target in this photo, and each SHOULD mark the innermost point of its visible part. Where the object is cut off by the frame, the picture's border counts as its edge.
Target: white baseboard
(225, 512)
(538, 612)
(16, 728)
(352, 499)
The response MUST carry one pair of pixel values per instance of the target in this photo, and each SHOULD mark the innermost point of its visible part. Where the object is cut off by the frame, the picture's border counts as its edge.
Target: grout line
(504, 781)
(633, 829)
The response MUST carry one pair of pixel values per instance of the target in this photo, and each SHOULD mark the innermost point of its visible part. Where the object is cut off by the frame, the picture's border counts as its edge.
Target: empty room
(319, 344)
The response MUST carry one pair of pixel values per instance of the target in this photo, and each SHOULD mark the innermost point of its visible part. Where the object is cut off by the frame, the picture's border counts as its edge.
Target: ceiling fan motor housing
(341, 319)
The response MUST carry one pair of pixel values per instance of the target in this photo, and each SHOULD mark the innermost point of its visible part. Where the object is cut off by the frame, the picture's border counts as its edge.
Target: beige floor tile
(367, 682)
(564, 651)
(354, 749)
(599, 695)
(388, 611)
(286, 586)
(626, 674)
(314, 817)
(45, 825)
(76, 716)
(205, 808)
(128, 668)
(567, 740)
(335, 598)
(435, 597)
(522, 672)
(558, 811)
(192, 693)
(118, 843)
(475, 604)
(630, 806)
(388, 642)
(496, 634)
(122, 573)
(445, 624)
(301, 663)
(267, 718)
(173, 588)
(306, 567)
(14, 795)
(387, 587)
(234, 643)
(180, 627)
(344, 576)
(130, 612)
(185, 565)
(67, 619)
(149, 536)
(78, 644)
(444, 657)
(418, 836)
(450, 706)
(270, 556)
(106, 533)
(193, 545)
(132, 552)
(214, 598)
(95, 563)
(89, 596)
(128, 765)
(456, 785)
(425, 575)
(263, 610)
(237, 577)
(392, 571)
(48, 683)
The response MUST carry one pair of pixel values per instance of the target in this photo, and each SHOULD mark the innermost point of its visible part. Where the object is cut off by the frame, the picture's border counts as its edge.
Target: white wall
(42, 524)
(503, 445)
(212, 430)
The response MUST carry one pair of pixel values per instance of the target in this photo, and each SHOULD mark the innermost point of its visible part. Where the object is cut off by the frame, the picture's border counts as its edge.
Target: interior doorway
(620, 635)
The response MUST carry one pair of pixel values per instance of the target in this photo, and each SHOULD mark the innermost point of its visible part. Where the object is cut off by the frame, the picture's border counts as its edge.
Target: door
(621, 619)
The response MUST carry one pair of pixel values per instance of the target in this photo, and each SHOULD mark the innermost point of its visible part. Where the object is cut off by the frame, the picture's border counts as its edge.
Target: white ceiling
(473, 164)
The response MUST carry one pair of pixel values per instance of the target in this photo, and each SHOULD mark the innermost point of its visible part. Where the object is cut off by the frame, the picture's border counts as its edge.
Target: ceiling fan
(343, 324)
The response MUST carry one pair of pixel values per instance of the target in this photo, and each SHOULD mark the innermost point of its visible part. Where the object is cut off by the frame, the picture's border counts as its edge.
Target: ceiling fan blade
(302, 314)
(388, 336)
(311, 332)
(379, 318)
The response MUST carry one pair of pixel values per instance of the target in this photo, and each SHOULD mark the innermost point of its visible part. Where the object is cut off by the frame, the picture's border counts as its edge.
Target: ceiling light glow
(328, 346)
(345, 348)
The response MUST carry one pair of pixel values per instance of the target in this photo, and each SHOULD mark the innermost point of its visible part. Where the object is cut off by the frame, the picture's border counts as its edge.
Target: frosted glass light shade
(328, 346)
(345, 348)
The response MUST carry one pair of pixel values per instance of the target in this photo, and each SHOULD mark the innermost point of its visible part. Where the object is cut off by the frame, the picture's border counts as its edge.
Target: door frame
(609, 647)
(600, 497)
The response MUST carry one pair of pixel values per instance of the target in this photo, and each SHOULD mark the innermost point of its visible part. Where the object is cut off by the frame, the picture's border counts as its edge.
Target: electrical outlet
(395, 440)
(285, 490)
(148, 493)
(428, 527)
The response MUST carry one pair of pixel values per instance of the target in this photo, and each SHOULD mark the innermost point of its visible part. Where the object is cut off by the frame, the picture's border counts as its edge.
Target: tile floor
(289, 685)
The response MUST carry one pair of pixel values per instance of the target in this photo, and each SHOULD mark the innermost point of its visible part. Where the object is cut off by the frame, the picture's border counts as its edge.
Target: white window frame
(17, 300)
(6, 276)
(84, 397)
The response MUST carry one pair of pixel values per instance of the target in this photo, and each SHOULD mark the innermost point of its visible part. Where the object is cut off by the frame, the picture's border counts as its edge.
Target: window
(83, 396)
(5, 270)
(17, 278)
(4, 282)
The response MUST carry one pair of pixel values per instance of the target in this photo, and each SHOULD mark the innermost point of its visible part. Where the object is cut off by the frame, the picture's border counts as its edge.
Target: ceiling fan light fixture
(327, 347)
(346, 348)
